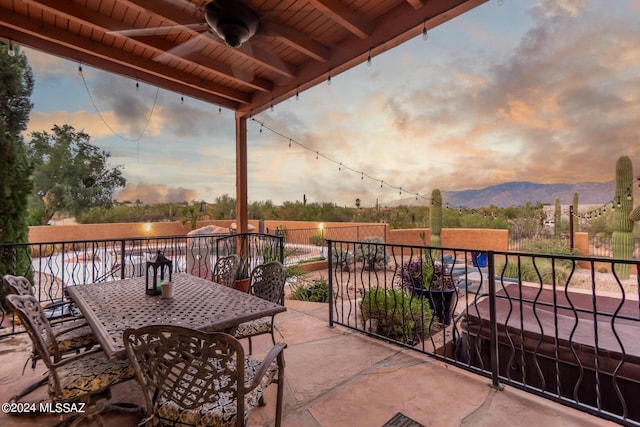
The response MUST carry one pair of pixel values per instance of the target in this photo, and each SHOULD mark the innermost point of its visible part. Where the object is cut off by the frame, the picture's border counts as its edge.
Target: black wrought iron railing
(55, 266)
(562, 327)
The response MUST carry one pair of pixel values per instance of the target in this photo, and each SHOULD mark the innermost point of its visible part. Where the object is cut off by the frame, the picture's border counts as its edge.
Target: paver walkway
(337, 377)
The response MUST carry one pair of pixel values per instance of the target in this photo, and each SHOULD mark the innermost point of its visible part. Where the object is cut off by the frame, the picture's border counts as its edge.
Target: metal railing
(551, 325)
(311, 242)
(55, 266)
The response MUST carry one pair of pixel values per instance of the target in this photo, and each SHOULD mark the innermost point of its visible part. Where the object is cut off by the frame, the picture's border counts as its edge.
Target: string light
(11, 52)
(297, 93)
(137, 85)
(341, 165)
(425, 35)
(146, 125)
(271, 104)
(329, 78)
(369, 58)
(181, 99)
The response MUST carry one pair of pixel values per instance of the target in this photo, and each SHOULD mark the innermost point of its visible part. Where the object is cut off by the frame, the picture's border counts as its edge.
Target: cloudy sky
(546, 91)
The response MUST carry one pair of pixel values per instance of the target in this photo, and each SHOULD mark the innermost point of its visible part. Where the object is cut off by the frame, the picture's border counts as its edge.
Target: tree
(70, 175)
(16, 86)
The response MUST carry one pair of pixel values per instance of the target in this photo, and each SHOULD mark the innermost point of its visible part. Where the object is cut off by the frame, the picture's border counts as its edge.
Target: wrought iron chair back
(70, 334)
(85, 377)
(267, 282)
(200, 378)
(226, 270)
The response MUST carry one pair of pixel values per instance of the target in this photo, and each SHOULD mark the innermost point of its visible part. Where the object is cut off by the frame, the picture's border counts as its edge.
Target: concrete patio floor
(338, 377)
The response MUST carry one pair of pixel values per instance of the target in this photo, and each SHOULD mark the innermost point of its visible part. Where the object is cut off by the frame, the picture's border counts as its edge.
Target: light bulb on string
(340, 166)
(11, 51)
(181, 99)
(381, 184)
(271, 104)
(137, 85)
(362, 176)
(629, 194)
(329, 78)
(289, 142)
(80, 69)
(425, 35)
(369, 58)
(297, 93)
(619, 204)
(260, 127)
(316, 155)
(219, 110)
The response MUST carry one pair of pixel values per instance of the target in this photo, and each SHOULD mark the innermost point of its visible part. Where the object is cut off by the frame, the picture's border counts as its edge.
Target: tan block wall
(464, 238)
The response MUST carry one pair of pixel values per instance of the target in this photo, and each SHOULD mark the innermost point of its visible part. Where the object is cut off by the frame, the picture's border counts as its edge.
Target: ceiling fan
(232, 22)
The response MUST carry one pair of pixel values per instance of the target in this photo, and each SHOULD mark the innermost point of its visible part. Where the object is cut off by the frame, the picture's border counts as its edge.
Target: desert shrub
(396, 315)
(372, 253)
(528, 273)
(551, 248)
(293, 271)
(316, 239)
(42, 251)
(341, 258)
(315, 291)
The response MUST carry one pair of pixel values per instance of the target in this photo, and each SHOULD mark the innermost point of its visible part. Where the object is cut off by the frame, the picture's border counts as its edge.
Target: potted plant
(432, 279)
(242, 277)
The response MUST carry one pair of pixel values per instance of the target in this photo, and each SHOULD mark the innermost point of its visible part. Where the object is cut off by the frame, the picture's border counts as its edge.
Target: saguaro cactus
(435, 217)
(622, 238)
(574, 208)
(557, 218)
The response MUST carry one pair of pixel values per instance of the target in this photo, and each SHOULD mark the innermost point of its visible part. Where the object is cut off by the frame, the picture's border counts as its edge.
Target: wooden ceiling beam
(299, 41)
(354, 23)
(158, 44)
(86, 50)
(416, 4)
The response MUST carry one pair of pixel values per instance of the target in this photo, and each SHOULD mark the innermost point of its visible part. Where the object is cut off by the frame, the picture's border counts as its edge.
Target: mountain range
(519, 193)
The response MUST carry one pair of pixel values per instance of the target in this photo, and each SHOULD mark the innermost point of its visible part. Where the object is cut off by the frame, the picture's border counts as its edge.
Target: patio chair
(195, 378)
(79, 378)
(267, 282)
(226, 270)
(72, 334)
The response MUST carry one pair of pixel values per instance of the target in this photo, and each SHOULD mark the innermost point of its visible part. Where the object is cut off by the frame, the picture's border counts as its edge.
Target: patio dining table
(112, 307)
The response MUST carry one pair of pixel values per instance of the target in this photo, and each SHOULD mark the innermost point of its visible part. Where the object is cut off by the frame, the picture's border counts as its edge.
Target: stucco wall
(70, 233)
(464, 238)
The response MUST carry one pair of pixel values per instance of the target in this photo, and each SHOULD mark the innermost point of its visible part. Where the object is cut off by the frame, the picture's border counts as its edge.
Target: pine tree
(16, 86)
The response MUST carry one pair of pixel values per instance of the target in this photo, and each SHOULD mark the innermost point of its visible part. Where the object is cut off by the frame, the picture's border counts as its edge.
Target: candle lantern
(157, 271)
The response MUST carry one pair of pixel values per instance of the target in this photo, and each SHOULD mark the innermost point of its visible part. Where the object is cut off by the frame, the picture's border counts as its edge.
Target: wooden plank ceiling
(168, 43)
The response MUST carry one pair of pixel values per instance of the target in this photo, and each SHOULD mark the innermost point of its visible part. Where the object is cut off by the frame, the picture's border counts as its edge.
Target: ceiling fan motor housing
(233, 21)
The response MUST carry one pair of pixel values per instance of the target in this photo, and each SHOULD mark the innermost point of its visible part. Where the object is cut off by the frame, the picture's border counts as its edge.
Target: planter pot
(439, 300)
(242, 285)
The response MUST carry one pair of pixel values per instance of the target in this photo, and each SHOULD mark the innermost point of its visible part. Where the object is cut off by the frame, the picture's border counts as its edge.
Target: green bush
(341, 258)
(371, 252)
(396, 315)
(542, 272)
(316, 291)
(316, 239)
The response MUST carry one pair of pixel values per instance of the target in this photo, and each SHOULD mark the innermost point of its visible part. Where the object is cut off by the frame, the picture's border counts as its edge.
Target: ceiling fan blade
(160, 31)
(242, 72)
(183, 49)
